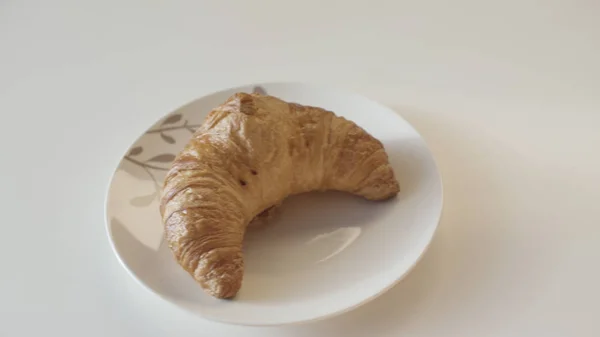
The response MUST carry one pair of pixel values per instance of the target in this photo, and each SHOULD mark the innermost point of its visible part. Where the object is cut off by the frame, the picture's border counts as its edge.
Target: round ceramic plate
(323, 254)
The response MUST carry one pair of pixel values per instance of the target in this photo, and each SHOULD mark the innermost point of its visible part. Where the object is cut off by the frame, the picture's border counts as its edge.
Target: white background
(507, 94)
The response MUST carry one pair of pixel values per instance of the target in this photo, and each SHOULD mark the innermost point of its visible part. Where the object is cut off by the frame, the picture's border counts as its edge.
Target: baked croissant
(249, 154)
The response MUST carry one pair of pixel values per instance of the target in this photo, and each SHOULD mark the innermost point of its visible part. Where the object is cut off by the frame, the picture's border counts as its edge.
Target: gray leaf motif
(142, 201)
(172, 119)
(135, 151)
(167, 138)
(163, 158)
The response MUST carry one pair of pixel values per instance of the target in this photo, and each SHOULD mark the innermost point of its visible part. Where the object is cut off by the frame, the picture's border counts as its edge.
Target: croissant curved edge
(250, 153)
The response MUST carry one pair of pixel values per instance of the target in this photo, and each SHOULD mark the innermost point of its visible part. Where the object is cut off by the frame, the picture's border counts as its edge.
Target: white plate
(323, 254)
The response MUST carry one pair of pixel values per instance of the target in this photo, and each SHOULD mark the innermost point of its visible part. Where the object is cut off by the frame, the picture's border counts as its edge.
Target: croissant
(249, 154)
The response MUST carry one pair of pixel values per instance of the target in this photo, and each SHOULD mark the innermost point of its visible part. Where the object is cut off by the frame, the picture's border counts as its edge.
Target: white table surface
(507, 94)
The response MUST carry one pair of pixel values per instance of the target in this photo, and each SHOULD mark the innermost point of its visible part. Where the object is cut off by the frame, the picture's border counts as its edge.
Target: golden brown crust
(251, 153)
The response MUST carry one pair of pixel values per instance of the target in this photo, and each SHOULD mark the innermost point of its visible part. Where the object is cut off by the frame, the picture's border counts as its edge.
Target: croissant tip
(390, 195)
(220, 292)
(221, 272)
